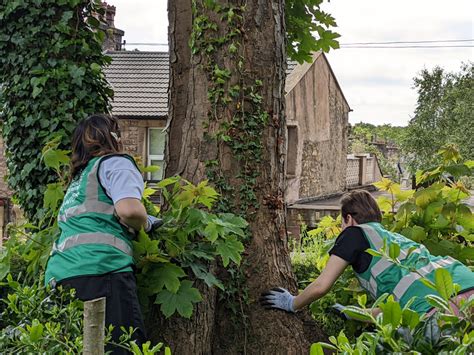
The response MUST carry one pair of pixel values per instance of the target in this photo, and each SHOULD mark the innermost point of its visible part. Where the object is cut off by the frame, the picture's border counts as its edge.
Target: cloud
(376, 82)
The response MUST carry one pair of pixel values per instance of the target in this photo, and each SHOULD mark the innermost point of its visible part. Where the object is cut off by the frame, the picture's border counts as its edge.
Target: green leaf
(35, 330)
(144, 245)
(54, 158)
(427, 283)
(362, 299)
(357, 314)
(230, 249)
(374, 252)
(392, 313)
(394, 250)
(444, 283)
(410, 318)
(437, 302)
(166, 275)
(316, 349)
(207, 276)
(53, 195)
(181, 301)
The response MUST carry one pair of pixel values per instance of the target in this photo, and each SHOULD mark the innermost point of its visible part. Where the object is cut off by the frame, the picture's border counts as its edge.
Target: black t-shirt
(350, 245)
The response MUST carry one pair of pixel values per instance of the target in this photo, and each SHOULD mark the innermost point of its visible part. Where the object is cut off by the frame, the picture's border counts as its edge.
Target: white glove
(278, 298)
(152, 223)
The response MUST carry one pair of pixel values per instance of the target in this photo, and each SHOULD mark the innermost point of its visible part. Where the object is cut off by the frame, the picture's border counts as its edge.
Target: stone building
(140, 84)
(317, 119)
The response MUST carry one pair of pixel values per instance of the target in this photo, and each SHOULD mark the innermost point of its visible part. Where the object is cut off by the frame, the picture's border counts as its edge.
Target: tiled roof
(140, 81)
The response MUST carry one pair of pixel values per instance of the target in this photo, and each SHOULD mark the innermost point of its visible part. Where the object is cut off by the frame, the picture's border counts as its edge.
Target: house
(317, 119)
(140, 82)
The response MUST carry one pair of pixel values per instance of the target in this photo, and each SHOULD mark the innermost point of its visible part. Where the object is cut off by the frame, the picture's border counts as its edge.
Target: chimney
(113, 39)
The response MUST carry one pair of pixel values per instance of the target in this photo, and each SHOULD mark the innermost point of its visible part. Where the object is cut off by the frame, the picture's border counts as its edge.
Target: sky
(377, 83)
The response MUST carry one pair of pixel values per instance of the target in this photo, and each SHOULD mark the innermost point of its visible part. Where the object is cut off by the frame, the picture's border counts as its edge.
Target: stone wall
(317, 106)
(135, 137)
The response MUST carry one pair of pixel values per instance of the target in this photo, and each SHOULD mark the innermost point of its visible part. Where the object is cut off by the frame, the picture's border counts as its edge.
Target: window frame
(150, 157)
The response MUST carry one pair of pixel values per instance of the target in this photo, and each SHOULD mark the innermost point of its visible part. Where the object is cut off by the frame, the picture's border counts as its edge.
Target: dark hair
(93, 138)
(361, 206)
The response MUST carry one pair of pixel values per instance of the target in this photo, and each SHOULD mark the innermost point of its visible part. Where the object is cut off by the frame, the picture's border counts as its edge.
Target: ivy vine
(51, 77)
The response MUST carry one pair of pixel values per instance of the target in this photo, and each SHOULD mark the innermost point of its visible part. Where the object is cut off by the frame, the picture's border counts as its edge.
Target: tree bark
(266, 261)
(94, 326)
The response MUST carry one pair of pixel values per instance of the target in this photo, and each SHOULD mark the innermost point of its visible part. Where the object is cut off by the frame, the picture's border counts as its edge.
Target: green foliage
(364, 138)
(36, 319)
(50, 71)
(190, 239)
(400, 330)
(308, 258)
(443, 115)
(434, 215)
(304, 18)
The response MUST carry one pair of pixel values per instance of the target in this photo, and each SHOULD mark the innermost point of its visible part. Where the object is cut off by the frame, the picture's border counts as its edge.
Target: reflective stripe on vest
(92, 203)
(383, 264)
(409, 279)
(370, 286)
(93, 238)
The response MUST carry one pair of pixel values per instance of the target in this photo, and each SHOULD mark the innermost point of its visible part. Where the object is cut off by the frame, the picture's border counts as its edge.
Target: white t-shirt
(121, 179)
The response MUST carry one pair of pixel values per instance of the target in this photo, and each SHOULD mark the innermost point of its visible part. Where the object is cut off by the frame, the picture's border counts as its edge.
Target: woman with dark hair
(361, 230)
(100, 215)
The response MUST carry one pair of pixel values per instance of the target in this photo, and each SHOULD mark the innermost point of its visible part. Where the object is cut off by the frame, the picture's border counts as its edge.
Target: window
(292, 150)
(156, 152)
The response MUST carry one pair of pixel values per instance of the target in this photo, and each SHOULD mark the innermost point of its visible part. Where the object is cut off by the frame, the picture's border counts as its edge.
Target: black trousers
(121, 308)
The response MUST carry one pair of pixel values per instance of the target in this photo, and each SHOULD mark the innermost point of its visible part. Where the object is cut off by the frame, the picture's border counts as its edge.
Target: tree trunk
(94, 326)
(258, 63)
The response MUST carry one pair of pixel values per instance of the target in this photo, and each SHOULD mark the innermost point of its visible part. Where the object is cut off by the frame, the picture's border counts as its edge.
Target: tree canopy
(444, 114)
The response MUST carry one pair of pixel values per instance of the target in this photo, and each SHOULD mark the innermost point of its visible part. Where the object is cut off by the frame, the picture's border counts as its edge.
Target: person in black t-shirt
(359, 207)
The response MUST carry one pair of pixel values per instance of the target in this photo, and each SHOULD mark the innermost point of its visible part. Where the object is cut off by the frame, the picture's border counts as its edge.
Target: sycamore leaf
(53, 195)
(212, 231)
(54, 158)
(230, 249)
(181, 301)
(166, 275)
(207, 276)
(150, 169)
(425, 196)
(144, 245)
(466, 220)
(148, 191)
(168, 181)
(385, 203)
(384, 184)
(404, 195)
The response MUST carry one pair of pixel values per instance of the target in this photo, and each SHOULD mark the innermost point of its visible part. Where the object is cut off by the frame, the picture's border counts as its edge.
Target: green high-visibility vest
(383, 276)
(92, 241)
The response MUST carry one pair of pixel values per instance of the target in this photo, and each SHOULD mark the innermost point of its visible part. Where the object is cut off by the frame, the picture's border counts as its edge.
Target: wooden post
(362, 169)
(94, 326)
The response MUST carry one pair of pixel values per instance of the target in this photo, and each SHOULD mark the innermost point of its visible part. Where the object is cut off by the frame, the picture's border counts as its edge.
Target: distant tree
(444, 114)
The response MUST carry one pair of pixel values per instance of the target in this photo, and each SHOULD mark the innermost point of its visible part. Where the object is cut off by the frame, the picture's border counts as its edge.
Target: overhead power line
(348, 44)
(409, 42)
(404, 47)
